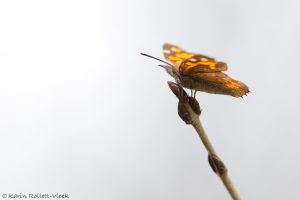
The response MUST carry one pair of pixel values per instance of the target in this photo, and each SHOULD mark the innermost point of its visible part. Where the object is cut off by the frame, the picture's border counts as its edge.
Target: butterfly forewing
(175, 54)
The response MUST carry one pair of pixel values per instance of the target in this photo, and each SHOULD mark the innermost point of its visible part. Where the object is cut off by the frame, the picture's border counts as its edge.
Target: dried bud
(183, 113)
(183, 97)
(178, 91)
(195, 105)
(216, 164)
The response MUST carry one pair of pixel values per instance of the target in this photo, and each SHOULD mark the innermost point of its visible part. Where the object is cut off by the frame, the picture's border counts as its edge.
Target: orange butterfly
(200, 73)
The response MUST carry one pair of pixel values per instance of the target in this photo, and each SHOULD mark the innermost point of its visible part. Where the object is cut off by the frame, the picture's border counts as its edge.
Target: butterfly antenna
(144, 54)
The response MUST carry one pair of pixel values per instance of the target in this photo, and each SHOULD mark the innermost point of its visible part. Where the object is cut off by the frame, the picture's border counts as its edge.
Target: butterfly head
(171, 70)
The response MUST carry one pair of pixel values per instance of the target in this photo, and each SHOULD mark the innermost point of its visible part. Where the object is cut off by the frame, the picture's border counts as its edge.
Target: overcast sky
(81, 112)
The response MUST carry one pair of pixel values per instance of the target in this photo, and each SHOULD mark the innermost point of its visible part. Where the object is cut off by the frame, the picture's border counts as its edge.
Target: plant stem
(189, 111)
(211, 151)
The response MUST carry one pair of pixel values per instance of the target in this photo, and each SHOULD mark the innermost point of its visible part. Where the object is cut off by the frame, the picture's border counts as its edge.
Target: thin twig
(211, 151)
(189, 111)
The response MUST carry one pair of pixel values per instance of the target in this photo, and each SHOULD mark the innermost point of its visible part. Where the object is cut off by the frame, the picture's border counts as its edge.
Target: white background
(82, 112)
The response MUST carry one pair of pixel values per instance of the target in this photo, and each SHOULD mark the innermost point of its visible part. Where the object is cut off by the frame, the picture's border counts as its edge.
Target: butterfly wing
(191, 62)
(175, 54)
(199, 63)
(203, 73)
(220, 83)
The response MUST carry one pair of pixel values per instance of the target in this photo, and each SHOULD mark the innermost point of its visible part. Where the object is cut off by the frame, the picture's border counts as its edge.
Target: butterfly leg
(193, 93)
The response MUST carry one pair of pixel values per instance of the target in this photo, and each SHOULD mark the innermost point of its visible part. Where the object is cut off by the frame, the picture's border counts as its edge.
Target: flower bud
(194, 105)
(178, 91)
(216, 164)
(183, 113)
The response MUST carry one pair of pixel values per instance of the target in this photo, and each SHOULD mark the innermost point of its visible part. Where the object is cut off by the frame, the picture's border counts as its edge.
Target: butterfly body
(201, 73)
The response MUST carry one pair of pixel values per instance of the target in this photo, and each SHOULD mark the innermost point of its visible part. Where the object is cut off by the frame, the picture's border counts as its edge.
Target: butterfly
(199, 72)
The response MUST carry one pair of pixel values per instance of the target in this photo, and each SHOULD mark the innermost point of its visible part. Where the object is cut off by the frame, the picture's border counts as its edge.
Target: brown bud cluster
(183, 100)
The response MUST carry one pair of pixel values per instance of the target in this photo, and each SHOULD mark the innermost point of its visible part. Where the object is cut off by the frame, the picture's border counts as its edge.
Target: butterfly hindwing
(199, 63)
(222, 82)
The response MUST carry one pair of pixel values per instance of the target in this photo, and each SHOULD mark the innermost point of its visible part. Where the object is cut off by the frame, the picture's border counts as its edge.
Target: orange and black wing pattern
(221, 83)
(191, 62)
(199, 63)
(203, 73)
(175, 54)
